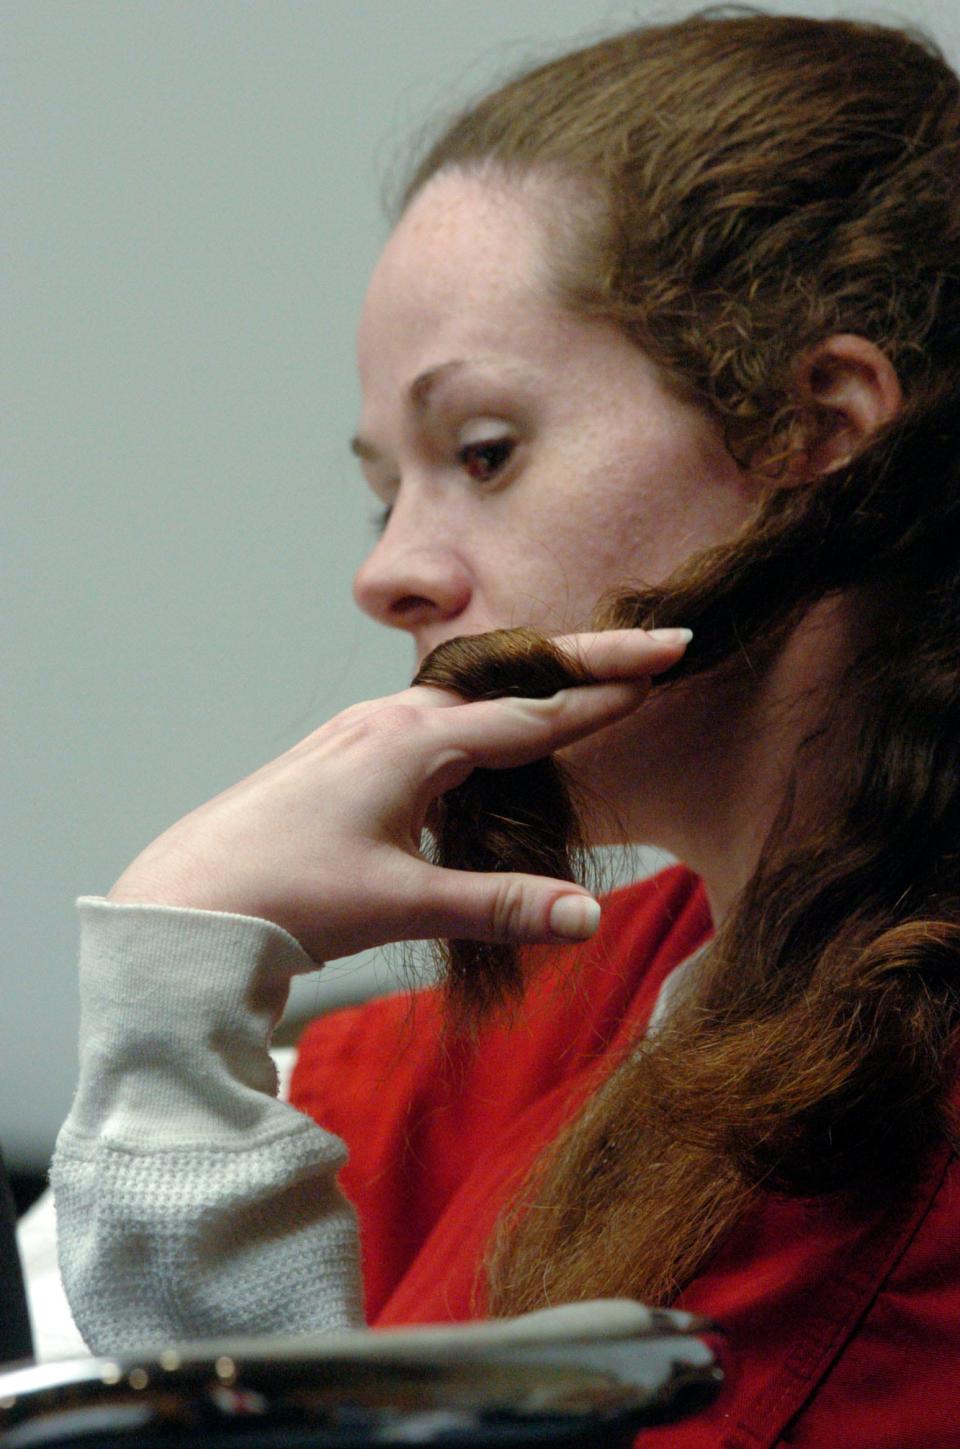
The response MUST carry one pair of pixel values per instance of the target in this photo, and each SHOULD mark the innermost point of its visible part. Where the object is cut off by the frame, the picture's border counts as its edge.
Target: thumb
(508, 907)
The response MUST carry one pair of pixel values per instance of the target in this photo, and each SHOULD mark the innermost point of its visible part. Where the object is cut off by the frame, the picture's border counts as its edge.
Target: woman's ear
(852, 386)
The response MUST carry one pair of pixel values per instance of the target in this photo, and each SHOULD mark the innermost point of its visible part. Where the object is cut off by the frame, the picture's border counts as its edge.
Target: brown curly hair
(742, 187)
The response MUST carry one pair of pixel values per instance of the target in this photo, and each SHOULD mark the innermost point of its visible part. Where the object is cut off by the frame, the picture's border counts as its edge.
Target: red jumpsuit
(842, 1323)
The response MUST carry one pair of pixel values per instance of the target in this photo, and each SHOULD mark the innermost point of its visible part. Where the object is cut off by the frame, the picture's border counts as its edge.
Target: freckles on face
(611, 479)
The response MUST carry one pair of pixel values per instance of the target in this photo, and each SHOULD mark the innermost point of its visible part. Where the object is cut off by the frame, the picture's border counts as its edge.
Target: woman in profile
(666, 337)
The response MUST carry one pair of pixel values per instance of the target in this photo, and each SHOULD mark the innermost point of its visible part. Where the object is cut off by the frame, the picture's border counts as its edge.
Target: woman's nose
(409, 581)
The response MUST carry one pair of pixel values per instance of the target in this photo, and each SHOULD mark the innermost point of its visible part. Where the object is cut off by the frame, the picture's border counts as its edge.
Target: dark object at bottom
(16, 1340)
(282, 1396)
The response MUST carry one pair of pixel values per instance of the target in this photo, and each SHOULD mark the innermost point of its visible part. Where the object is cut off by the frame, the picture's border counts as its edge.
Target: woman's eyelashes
(484, 459)
(381, 518)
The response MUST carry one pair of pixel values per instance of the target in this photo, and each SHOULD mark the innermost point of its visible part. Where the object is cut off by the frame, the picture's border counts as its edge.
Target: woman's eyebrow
(360, 448)
(420, 395)
(420, 391)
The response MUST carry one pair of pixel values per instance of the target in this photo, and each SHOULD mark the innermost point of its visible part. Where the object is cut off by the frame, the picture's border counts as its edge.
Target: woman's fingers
(626, 653)
(606, 655)
(508, 907)
(510, 731)
(501, 733)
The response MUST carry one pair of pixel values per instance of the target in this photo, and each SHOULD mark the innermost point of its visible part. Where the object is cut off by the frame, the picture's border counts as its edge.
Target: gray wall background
(192, 208)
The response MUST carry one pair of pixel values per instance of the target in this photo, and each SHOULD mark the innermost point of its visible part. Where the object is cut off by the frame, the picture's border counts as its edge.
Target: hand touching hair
(497, 818)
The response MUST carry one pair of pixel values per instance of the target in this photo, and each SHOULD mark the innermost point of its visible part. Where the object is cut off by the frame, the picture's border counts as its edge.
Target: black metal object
(16, 1339)
(26, 1188)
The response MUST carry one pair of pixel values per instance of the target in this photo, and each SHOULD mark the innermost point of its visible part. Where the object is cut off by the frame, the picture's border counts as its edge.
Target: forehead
(464, 268)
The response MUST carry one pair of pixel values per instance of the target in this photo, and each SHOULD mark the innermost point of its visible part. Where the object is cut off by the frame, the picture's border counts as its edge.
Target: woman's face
(528, 459)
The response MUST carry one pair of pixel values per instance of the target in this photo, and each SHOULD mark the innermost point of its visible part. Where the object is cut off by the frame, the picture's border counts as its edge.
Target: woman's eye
(483, 460)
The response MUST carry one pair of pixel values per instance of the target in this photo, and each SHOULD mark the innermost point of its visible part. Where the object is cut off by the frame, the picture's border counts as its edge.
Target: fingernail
(670, 636)
(574, 918)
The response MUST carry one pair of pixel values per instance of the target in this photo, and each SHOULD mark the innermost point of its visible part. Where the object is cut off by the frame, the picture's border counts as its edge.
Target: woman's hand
(325, 840)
